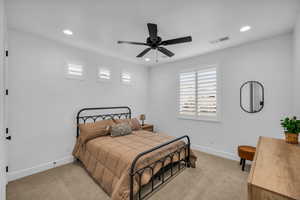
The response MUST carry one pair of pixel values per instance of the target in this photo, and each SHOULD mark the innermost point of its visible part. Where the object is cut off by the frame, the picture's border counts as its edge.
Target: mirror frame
(263, 96)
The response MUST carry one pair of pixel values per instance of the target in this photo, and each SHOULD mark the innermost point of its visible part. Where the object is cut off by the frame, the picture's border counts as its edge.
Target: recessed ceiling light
(245, 28)
(67, 32)
(147, 59)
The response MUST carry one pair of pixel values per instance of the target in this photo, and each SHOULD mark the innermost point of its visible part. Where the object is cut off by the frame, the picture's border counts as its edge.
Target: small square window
(104, 74)
(126, 78)
(75, 71)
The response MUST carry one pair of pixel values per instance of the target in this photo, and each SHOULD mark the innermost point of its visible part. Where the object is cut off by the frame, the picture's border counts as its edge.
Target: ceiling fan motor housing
(155, 42)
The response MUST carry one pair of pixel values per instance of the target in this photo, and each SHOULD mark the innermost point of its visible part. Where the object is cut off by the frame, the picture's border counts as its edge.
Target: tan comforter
(108, 159)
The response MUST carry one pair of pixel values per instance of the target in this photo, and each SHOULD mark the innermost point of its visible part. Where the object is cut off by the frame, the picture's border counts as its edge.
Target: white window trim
(103, 79)
(217, 117)
(74, 77)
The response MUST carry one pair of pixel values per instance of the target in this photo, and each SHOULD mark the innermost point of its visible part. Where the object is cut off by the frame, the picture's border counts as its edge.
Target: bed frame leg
(131, 186)
(189, 154)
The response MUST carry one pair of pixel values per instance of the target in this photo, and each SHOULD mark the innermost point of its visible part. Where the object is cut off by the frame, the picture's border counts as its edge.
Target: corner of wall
(296, 70)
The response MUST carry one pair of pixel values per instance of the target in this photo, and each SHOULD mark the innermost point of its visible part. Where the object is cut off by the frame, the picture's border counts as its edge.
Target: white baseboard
(3, 188)
(212, 151)
(11, 176)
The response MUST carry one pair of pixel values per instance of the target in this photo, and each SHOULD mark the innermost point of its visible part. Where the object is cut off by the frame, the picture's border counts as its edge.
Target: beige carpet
(214, 178)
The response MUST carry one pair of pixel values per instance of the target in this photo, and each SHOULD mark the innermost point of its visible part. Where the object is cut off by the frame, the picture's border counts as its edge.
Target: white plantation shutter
(126, 78)
(104, 74)
(74, 71)
(198, 93)
(187, 93)
(207, 92)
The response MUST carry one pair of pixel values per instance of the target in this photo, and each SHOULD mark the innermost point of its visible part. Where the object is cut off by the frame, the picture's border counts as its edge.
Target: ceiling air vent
(222, 39)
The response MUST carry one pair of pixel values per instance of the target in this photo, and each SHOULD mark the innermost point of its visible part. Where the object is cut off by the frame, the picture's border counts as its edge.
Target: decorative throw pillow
(134, 123)
(89, 131)
(120, 129)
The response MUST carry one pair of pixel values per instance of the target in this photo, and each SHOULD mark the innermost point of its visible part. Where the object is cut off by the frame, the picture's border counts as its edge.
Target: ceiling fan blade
(152, 31)
(165, 51)
(177, 40)
(143, 52)
(136, 43)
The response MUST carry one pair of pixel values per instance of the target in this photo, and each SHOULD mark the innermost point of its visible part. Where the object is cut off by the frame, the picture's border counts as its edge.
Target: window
(75, 71)
(104, 74)
(126, 78)
(198, 94)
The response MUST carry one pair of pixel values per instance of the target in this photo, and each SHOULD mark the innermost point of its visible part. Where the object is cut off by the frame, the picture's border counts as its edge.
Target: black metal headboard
(81, 118)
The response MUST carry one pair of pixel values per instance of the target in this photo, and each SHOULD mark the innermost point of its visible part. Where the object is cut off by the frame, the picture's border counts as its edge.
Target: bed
(130, 166)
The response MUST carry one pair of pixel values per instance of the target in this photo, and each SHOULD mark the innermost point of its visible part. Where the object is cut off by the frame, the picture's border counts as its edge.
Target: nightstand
(148, 127)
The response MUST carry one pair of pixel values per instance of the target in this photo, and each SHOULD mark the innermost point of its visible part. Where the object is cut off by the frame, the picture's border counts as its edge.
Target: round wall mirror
(252, 96)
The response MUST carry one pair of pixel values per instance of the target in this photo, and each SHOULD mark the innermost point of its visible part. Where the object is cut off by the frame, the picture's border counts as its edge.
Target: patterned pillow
(120, 129)
(134, 123)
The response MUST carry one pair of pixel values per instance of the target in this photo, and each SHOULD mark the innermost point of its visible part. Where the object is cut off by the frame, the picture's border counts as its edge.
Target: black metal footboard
(133, 172)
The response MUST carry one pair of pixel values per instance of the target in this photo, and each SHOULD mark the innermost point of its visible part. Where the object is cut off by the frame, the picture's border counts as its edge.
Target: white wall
(296, 72)
(2, 138)
(43, 103)
(268, 61)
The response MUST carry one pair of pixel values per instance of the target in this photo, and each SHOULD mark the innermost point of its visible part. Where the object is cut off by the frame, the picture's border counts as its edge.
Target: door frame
(3, 145)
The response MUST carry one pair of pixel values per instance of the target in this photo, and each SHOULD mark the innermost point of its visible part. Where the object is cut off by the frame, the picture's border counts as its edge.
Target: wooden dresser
(275, 171)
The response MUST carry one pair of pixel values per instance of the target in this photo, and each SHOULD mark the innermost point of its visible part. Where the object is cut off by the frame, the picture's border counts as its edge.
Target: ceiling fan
(155, 42)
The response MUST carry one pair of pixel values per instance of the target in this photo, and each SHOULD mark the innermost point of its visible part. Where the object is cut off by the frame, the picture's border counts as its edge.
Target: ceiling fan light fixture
(147, 59)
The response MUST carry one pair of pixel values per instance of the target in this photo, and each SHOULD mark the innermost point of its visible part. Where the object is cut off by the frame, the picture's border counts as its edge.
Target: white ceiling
(99, 24)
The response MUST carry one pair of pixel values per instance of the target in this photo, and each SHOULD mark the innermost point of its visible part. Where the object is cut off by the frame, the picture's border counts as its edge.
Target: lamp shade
(142, 117)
